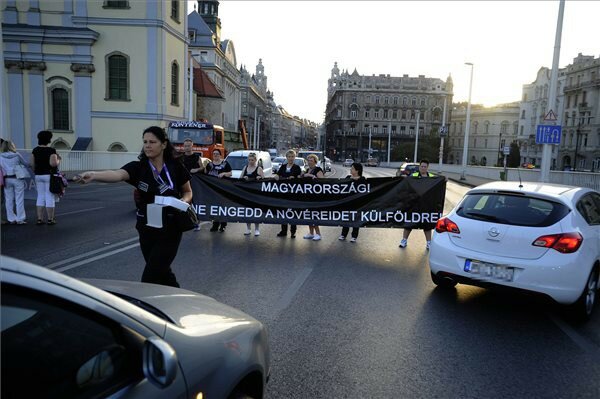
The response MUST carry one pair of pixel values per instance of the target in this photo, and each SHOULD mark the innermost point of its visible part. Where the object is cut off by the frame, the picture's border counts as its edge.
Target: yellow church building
(96, 73)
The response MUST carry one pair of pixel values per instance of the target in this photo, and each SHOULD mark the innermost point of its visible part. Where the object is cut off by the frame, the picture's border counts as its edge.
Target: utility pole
(417, 136)
(547, 150)
(442, 135)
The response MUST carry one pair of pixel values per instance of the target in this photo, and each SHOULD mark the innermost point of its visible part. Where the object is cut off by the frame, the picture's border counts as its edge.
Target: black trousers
(293, 227)
(159, 247)
(216, 224)
(354, 231)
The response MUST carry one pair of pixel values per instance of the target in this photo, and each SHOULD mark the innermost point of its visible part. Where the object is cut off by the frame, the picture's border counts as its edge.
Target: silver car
(62, 337)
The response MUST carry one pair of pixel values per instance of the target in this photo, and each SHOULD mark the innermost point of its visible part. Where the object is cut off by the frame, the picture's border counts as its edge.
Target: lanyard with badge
(162, 186)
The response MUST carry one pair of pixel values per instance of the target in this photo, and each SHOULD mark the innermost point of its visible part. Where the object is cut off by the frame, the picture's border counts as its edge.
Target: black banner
(373, 202)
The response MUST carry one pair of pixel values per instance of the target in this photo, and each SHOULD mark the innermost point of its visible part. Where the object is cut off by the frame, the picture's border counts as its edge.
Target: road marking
(86, 261)
(80, 211)
(291, 292)
(85, 255)
(583, 343)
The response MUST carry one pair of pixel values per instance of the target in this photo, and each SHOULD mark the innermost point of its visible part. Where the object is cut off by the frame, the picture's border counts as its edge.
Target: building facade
(68, 70)
(365, 112)
(533, 108)
(492, 128)
(218, 60)
(255, 104)
(580, 145)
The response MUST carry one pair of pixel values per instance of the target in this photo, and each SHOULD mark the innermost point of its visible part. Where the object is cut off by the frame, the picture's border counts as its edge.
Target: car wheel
(444, 282)
(582, 309)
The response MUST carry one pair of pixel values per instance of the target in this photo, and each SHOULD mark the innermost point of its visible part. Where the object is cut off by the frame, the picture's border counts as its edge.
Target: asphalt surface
(345, 320)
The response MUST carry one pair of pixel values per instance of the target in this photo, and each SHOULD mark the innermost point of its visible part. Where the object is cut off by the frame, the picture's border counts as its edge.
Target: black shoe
(282, 234)
(293, 235)
(222, 229)
(214, 228)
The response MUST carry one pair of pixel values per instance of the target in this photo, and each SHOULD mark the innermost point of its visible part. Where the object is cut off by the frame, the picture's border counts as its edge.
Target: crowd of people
(159, 171)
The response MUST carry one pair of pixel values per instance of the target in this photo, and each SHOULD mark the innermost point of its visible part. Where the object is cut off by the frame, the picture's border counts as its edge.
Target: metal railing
(73, 161)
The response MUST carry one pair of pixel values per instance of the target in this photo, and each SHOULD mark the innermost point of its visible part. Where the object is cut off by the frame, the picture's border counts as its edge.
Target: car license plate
(489, 270)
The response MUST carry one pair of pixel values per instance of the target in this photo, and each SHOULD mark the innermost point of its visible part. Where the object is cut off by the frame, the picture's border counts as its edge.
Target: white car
(537, 237)
(348, 162)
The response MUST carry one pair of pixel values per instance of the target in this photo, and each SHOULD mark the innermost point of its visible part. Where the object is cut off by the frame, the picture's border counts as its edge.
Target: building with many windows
(580, 146)
(532, 111)
(69, 70)
(368, 111)
(492, 128)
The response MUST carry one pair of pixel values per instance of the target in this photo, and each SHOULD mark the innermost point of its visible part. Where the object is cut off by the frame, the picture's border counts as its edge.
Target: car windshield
(236, 162)
(299, 161)
(515, 210)
(279, 160)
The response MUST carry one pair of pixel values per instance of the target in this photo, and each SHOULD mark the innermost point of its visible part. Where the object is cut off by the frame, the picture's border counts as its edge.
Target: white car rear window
(509, 209)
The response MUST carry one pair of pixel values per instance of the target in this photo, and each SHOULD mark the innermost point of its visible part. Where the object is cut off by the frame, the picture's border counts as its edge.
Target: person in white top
(14, 187)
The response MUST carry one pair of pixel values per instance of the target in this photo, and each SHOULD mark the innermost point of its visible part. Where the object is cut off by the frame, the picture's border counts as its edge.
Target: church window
(116, 4)
(60, 109)
(175, 10)
(174, 84)
(118, 77)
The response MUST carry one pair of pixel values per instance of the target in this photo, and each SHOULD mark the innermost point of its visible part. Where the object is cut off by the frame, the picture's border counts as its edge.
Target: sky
(507, 41)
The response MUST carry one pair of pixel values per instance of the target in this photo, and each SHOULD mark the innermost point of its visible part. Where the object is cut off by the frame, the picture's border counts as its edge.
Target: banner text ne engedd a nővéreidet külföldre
(374, 202)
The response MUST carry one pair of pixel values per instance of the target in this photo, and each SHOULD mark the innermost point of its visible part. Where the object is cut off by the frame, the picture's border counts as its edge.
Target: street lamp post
(389, 140)
(417, 137)
(370, 128)
(466, 144)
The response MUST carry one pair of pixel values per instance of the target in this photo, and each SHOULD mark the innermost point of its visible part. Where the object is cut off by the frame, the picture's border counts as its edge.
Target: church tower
(260, 77)
(209, 11)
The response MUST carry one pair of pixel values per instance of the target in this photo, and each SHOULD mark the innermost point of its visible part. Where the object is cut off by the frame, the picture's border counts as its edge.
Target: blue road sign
(548, 134)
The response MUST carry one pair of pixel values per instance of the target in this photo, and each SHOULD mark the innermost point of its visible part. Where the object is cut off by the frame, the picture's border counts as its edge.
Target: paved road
(345, 320)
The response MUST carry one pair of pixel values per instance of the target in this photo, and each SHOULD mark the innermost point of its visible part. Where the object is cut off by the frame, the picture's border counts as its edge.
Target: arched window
(60, 109)
(118, 77)
(174, 84)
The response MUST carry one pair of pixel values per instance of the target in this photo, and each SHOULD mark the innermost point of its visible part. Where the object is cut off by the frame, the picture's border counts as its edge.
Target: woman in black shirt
(356, 174)
(218, 168)
(314, 172)
(288, 170)
(252, 171)
(44, 161)
(158, 172)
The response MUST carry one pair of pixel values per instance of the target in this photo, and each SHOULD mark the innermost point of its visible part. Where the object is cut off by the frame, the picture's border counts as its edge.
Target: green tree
(514, 157)
(429, 148)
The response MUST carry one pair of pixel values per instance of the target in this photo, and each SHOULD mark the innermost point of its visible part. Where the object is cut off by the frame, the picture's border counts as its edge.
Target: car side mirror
(159, 362)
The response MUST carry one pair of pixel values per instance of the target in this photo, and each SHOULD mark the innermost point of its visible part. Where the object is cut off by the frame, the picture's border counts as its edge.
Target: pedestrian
(14, 187)
(288, 170)
(159, 171)
(252, 171)
(218, 167)
(44, 161)
(421, 174)
(192, 162)
(356, 174)
(313, 172)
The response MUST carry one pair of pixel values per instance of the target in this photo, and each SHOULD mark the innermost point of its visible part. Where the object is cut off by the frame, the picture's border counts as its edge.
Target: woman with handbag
(12, 165)
(44, 161)
(161, 172)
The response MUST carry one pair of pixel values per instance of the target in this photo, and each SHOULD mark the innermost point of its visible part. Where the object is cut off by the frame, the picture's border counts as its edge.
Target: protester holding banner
(252, 171)
(14, 184)
(44, 161)
(421, 174)
(313, 172)
(158, 172)
(218, 167)
(288, 170)
(356, 174)
(191, 160)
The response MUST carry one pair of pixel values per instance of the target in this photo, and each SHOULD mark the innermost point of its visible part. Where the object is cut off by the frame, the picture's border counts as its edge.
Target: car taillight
(446, 225)
(564, 243)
